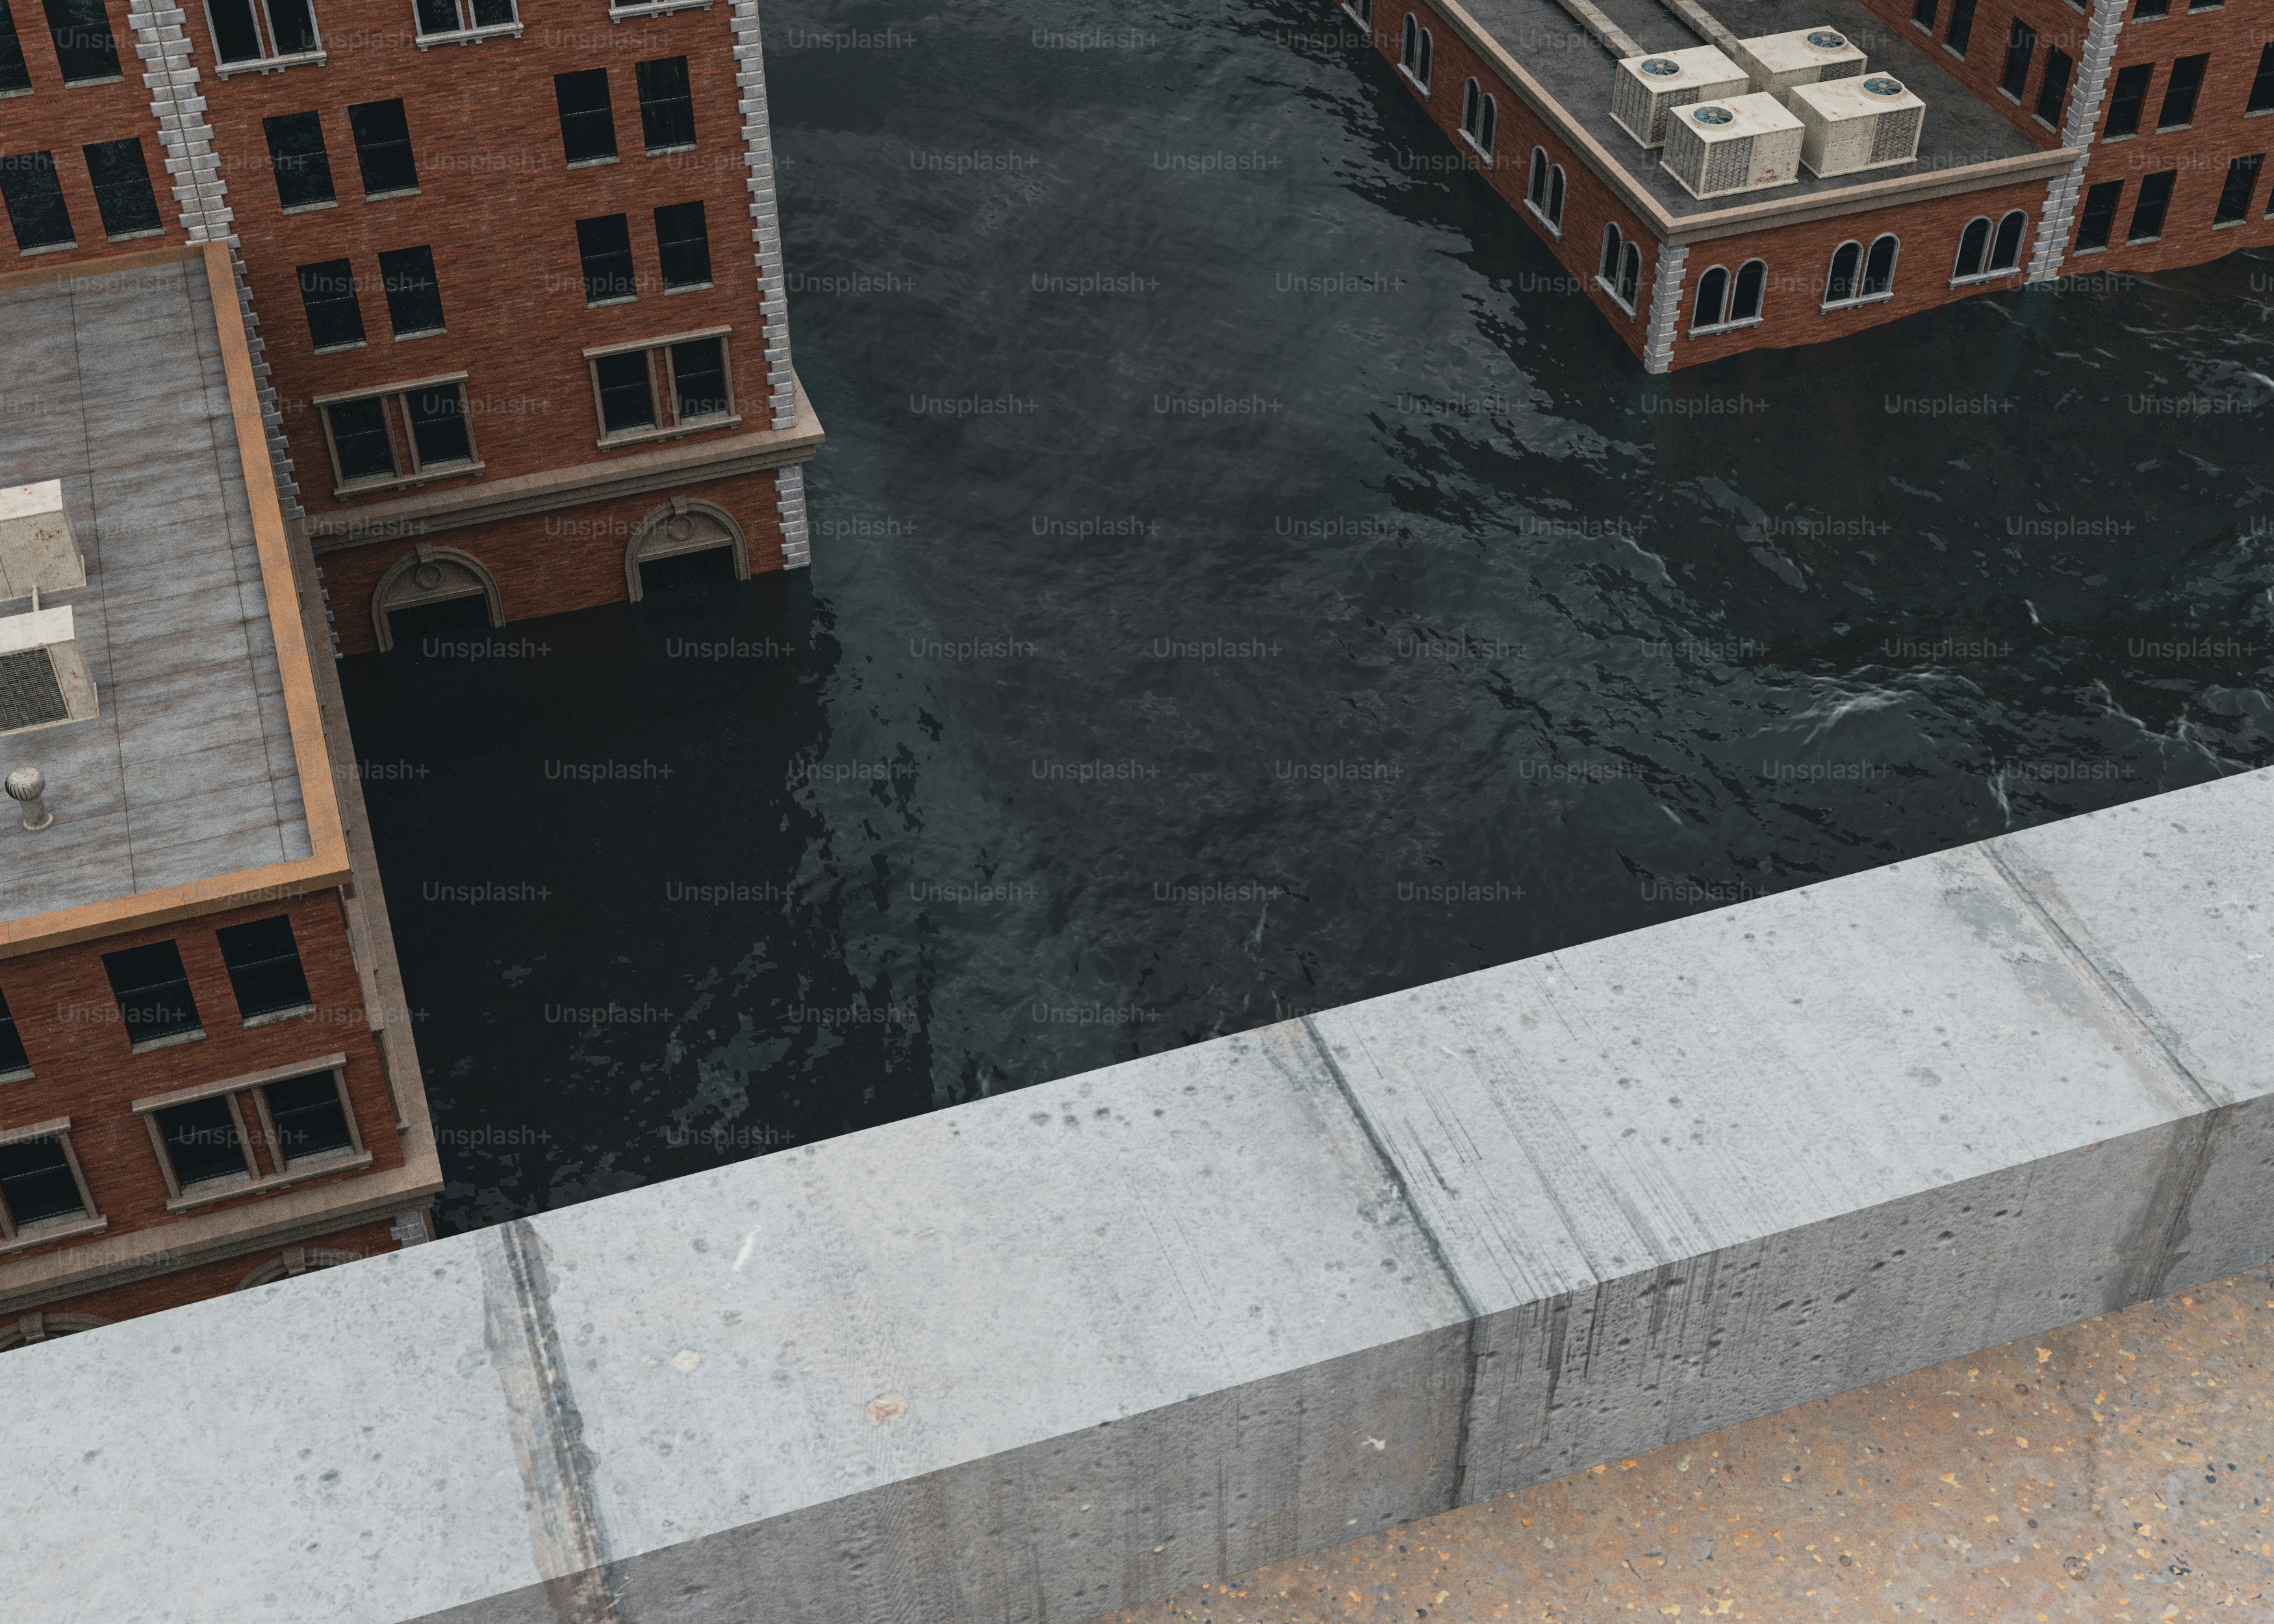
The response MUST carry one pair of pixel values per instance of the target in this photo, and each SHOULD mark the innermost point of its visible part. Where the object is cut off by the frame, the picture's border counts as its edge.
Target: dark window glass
(236, 37)
(36, 1182)
(2153, 8)
(13, 74)
(2006, 253)
(2148, 213)
(1841, 284)
(1611, 244)
(307, 1116)
(360, 440)
(1880, 267)
(202, 1141)
(1923, 14)
(2126, 97)
(666, 106)
(605, 245)
(84, 49)
(12, 1057)
(327, 293)
(1712, 296)
(382, 139)
(291, 26)
(296, 152)
(438, 16)
(2241, 181)
(414, 302)
(35, 201)
(588, 124)
(2261, 86)
(152, 991)
(2098, 215)
(122, 187)
(2053, 90)
(2020, 44)
(683, 244)
(2179, 89)
(627, 400)
(264, 967)
(1746, 303)
(1535, 188)
(438, 426)
(1962, 26)
(1555, 197)
(1486, 121)
(699, 377)
(494, 14)
(1973, 247)
(1629, 275)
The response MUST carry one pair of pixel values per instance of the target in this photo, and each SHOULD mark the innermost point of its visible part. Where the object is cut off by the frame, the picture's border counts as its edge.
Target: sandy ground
(2115, 1471)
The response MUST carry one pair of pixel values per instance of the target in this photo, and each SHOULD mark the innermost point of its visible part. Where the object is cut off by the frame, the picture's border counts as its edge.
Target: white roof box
(37, 553)
(1740, 145)
(1776, 63)
(43, 678)
(1645, 89)
(1849, 125)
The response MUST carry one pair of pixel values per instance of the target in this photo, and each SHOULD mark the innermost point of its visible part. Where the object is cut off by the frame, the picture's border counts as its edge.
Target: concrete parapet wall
(1047, 1354)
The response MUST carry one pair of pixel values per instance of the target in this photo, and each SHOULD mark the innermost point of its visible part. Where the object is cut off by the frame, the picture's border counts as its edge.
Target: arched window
(1713, 300)
(2006, 253)
(1621, 273)
(1469, 99)
(1478, 116)
(1973, 248)
(1612, 243)
(1413, 52)
(1362, 9)
(1629, 275)
(1535, 185)
(1880, 267)
(1745, 304)
(1839, 286)
(1555, 199)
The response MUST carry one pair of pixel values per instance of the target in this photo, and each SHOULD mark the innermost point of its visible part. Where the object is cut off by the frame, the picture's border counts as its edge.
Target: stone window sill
(227, 1189)
(593, 163)
(54, 1229)
(271, 65)
(402, 482)
(48, 248)
(470, 36)
(1725, 326)
(655, 8)
(21, 1074)
(270, 1017)
(1869, 298)
(641, 437)
(1541, 215)
(148, 1046)
(1981, 276)
(309, 208)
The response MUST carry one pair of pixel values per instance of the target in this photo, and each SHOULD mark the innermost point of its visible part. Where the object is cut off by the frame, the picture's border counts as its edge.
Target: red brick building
(2054, 139)
(511, 267)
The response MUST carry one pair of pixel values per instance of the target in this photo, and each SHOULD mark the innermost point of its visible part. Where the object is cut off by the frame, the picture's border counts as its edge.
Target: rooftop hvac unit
(1777, 62)
(43, 677)
(1740, 145)
(37, 553)
(1644, 89)
(1858, 124)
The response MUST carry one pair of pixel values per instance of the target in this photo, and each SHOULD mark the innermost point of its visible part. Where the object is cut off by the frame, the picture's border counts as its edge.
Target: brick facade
(85, 1067)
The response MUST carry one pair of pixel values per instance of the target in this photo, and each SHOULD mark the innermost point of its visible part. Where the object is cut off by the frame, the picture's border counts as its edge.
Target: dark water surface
(1315, 601)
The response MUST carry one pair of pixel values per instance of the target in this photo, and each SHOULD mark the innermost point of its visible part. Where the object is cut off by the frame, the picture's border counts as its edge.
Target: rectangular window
(15, 1064)
(2233, 204)
(84, 49)
(263, 30)
(153, 993)
(327, 293)
(401, 434)
(683, 245)
(662, 387)
(1962, 27)
(2126, 97)
(123, 196)
(2261, 86)
(2148, 213)
(2205, 6)
(306, 1117)
(203, 1142)
(605, 245)
(2098, 215)
(414, 302)
(2179, 91)
(40, 1179)
(666, 105)
(2053, 90)
(296, 152)
(14, 75)
(35, 201)
(2021, 45)
(587, 123)
(264, 967)
(1923, 14)
(2146, 9)
(447, 19)
(254, 1131)
(382, 140)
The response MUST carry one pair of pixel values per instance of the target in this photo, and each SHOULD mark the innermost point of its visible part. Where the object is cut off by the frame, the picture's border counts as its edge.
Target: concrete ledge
(1054, 1352)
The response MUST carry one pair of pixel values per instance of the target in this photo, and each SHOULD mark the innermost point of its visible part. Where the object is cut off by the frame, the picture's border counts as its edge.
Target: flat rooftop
(1959, 129)
(117, 388)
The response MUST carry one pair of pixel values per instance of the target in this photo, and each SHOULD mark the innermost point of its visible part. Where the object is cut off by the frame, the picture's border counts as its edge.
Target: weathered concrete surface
(1047, 1354)
(2118, 1472)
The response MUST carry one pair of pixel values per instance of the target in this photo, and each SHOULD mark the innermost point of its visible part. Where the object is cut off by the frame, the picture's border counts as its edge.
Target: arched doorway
(31, 1329)
(295, 1260)
(682, 525)
(429, 574)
